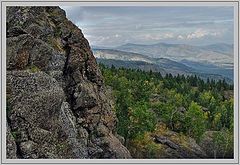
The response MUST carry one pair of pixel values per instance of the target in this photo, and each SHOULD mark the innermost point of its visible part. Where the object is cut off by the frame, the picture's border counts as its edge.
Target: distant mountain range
(220, 48)
(163, 65)
(132, 65)
(209, 68)
(120, 55)
(219, 54)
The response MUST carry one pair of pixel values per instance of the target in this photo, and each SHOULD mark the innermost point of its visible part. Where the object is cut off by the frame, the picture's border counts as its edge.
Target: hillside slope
(118, 58)
(219, 54)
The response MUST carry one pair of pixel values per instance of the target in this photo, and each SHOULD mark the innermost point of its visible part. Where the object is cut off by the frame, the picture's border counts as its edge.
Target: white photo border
(235, 4)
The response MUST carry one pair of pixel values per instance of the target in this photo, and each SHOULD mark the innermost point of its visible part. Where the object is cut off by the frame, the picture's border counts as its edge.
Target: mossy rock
(147, 147)
(33, 69)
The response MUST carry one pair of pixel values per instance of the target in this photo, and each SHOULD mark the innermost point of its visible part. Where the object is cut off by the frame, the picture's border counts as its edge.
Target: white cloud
(168, 35)
(117, 25)
(199, 33)
(155, 37)
(217, 33)
(180, 37)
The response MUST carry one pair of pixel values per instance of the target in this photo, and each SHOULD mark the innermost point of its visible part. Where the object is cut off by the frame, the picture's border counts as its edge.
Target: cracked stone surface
(51, 114)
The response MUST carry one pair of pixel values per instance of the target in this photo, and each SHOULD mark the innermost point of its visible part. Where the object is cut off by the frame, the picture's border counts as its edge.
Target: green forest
(148, 103)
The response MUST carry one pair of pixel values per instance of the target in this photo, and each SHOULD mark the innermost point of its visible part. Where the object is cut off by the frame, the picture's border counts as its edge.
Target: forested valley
(161, 116)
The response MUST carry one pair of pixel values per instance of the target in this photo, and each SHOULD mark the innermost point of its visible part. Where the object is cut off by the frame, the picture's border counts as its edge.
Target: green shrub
(33, 68)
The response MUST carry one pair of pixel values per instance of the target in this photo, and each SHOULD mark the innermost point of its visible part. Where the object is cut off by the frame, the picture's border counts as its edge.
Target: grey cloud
(101, 25)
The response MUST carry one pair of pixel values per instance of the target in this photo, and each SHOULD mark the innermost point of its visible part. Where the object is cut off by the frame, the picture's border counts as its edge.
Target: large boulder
(164, 143)
(28, 52)
(34, 101)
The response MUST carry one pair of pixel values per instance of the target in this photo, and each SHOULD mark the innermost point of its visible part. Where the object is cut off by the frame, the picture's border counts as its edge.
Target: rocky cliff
(57, 104)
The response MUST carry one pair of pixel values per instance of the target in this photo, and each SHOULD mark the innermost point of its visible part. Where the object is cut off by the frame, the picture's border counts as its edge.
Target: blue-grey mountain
(163, 65)
(220, 55)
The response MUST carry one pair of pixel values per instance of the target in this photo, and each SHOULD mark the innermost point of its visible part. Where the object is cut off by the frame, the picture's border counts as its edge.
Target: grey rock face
(85, 96)
(11, 145)
(165, 141)
(68, 124)
(35, 100)
(28, 52)
(174, 150)
(52, 112)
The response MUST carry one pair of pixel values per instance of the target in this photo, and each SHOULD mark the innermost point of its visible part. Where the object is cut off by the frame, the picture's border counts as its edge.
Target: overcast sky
(112, 26)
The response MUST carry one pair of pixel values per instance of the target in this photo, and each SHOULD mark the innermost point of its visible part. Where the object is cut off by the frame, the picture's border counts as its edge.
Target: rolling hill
(220, 55)
(118, 58)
